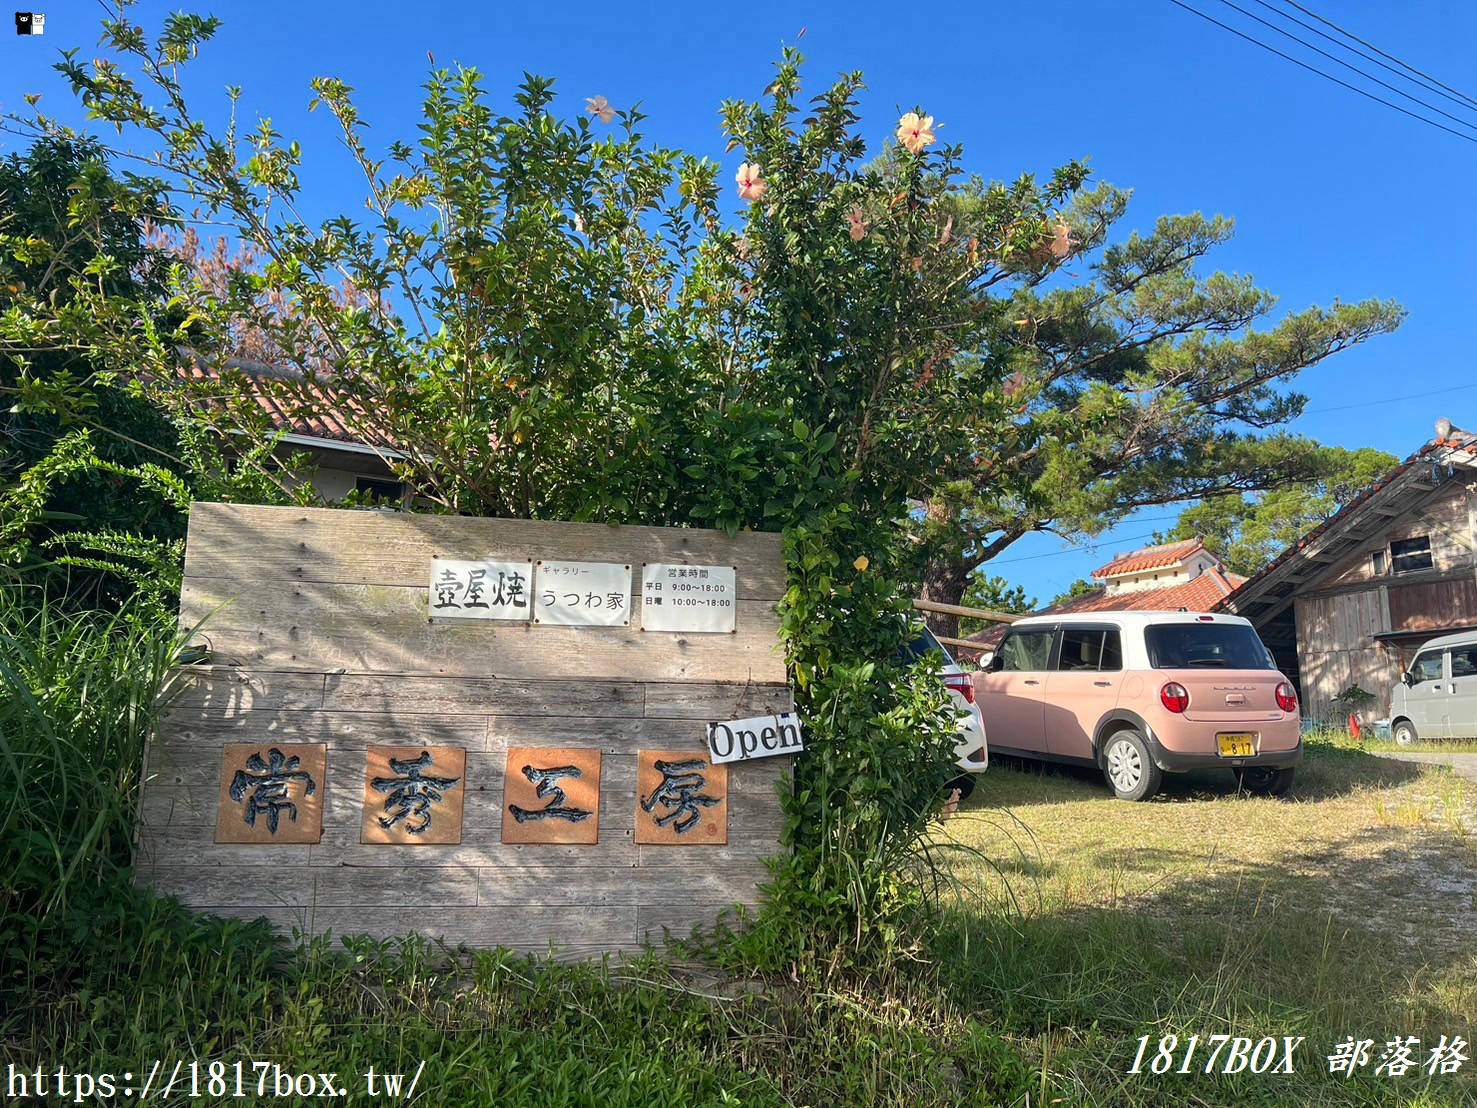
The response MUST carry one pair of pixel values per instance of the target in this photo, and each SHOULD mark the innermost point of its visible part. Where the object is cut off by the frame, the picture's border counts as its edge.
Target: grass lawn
(1348, 909)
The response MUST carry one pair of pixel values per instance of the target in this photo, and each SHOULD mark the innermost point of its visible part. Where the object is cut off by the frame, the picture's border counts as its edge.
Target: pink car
(1142, 694)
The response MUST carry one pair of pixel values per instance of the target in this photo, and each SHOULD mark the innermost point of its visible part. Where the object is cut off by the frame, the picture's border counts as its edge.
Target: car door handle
(1103, 684)
(1030, 681)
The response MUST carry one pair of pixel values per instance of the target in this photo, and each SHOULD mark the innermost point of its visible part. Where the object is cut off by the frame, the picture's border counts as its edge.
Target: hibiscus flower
(915, 132)
(1061, 240)
(599, 107)
(751, 182)
(856, 224)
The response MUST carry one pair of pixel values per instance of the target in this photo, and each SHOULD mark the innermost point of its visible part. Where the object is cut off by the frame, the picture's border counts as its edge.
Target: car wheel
(1129, 768)
(964, 783)
(1264, 780)
(1405, 734)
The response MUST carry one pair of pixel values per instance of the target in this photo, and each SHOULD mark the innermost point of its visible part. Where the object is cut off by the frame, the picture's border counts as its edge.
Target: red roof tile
(330, 418)
(1151, 557)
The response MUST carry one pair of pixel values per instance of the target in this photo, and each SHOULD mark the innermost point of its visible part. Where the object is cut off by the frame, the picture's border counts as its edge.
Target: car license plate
(1237, 746)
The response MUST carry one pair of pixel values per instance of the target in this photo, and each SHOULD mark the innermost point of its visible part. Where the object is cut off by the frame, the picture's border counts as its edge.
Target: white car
(971, 752)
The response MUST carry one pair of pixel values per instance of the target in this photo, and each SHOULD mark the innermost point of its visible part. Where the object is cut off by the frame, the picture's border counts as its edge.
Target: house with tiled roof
(345, 453)
(1351, 602)
(1172, 577)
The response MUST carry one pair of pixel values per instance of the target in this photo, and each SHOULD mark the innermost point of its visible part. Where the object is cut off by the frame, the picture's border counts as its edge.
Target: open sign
(743, 740)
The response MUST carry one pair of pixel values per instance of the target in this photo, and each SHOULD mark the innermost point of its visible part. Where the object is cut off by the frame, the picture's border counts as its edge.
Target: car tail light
(1175, 697)
(1287, 697)
(961, 683)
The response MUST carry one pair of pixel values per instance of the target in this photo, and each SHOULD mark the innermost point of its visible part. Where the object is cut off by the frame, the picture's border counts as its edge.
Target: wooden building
(1353, 600)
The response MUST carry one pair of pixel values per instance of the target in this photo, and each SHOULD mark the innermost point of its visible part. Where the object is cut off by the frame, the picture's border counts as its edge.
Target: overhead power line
(1321, 73)
(1381, 53)
(1347, 65)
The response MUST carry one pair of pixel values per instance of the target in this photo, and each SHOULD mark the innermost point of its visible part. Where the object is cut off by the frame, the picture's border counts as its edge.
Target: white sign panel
(688, 598)
(582, 594)
(743, 740)
(481, 589)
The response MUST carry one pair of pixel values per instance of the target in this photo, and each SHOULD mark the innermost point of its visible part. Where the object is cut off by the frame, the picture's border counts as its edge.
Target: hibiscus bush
(556, 318)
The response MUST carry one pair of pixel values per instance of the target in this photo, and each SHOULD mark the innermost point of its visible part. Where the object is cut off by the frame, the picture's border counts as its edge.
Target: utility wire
(1378, 51)
(1353, 68)
(1428, 84)
(1391, 399)
(1321, 73)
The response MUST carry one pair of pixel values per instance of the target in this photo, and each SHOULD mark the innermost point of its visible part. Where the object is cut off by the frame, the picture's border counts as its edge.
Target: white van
(1437, 696)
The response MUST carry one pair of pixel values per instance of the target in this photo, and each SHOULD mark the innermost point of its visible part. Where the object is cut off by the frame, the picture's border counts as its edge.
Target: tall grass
(79, 693)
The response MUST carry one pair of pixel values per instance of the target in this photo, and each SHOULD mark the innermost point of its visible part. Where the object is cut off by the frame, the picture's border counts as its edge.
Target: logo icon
(30, 23)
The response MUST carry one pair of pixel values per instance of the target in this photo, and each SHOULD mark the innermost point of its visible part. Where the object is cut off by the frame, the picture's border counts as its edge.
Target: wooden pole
(958, 610)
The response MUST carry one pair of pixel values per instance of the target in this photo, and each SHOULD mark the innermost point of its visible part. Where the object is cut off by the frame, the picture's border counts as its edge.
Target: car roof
(1461, 638)
(1126, 618)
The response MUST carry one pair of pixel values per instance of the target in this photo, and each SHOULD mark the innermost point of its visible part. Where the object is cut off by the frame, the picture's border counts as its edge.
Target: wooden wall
(1339, 613)
(318, 623)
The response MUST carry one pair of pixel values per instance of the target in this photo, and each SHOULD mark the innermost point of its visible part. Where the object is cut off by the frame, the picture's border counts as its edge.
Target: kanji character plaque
(272, 793)
(551, 795)
(414, 795)
(681, 799)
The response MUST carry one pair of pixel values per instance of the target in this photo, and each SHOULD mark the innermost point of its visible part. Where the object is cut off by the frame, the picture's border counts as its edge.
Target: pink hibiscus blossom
(915, 132)
(751, 182)
(1061, 240)
(599, 107)
(856, 225)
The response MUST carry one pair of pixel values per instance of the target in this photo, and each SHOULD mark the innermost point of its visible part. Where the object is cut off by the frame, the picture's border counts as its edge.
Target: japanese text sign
(688, 598)
(271, 794)
(413, 795)
(551, 796)
(742, 740)
(582, 594)
(681, 799)
(481, 589)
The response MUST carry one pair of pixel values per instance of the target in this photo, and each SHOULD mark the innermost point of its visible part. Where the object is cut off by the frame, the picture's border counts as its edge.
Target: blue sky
(1334, 196)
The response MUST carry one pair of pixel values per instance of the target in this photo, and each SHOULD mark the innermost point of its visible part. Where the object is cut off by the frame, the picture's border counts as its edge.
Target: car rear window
(1211, 645)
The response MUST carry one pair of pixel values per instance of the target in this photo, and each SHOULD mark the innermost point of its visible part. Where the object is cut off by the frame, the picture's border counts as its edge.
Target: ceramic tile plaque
(481, 589)
(551, 795)
(272, 793)
(681, 799)
(414, 794)
(582, 594)
(689, 598)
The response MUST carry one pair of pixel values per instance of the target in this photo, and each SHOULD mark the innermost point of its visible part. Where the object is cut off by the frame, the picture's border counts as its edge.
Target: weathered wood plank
(323, 886)
(385, 629)
(601, 928)
(379, 548)
(353, 692)
(694, 883)
(715, 702)
(223, 688)
(346, 730)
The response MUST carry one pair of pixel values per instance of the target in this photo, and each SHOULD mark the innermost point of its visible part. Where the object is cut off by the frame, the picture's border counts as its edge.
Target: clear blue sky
(1334, 196)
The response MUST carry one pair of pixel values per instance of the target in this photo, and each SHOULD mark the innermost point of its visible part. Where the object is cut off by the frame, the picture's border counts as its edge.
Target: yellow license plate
(1237, 746)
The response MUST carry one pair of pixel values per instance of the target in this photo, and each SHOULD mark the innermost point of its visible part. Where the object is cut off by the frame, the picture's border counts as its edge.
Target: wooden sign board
(328, 648)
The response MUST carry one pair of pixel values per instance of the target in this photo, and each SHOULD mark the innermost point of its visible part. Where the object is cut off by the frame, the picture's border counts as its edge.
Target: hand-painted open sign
(742, 740)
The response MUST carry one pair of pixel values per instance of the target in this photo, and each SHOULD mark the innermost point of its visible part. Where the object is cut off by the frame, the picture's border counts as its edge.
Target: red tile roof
(330, 418)
(1151, 557)
(1202, 594)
